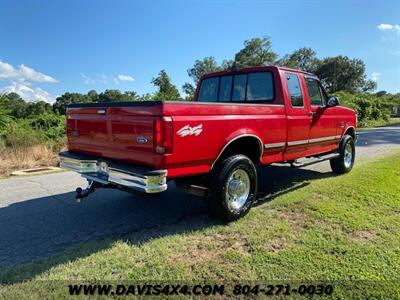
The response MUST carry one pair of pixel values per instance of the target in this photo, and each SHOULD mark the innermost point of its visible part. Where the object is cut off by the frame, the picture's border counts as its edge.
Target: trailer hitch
(93, 185)
(83, 193)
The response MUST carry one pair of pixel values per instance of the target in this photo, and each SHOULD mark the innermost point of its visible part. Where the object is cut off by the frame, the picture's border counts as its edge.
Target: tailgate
(118, 132)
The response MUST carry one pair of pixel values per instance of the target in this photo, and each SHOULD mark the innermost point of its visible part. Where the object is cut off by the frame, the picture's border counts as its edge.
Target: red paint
(117, 133)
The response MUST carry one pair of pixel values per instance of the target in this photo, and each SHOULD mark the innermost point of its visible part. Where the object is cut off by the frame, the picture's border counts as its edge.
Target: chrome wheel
(348, 155)
(237, 189)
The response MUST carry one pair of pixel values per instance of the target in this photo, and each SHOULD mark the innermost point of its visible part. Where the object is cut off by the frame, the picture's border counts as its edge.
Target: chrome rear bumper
(109, 172)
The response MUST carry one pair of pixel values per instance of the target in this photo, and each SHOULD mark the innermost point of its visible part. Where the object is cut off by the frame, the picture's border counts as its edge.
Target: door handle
(311, 113)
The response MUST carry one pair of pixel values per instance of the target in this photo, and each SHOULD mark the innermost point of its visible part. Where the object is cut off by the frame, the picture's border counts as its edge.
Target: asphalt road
(40, 218)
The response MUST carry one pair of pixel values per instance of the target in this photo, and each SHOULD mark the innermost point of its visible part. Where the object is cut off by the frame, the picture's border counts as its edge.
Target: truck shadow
(275, 180)
(38, 234)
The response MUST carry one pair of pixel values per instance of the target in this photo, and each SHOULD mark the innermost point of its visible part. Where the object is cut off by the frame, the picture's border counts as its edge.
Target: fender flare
(344, 132)
(236, 138)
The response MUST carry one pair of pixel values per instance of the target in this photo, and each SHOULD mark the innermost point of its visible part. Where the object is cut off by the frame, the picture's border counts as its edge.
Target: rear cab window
(260, 87)
(244, 87)
(239, 88)
(293, 84)
(225, 88)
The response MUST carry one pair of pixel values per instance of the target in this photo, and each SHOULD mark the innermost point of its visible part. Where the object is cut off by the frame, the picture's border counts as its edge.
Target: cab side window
(209, 90)
(293, 83)
(314, 92)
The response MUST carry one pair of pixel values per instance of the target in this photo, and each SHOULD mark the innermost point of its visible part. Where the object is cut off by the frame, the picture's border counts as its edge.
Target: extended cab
(210, 146)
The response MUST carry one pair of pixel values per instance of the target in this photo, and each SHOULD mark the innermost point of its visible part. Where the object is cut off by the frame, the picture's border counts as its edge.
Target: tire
(233, 188)
(345, 162)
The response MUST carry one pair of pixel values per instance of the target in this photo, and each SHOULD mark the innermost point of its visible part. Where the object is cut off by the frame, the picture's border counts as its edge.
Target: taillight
(163, 135)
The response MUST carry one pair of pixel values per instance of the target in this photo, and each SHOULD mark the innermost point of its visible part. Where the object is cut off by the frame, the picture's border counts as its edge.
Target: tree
(116, 96)
(200, 68)
(38, 108)
(66, 99)
(145, 97)
(189, 90)
(166, 90)
(94, 97)
(381, 93)
(18, 107)
(340, 73)
(5, 117)
(256, 52)
(369, 85)
(131, 95)
(304, 59)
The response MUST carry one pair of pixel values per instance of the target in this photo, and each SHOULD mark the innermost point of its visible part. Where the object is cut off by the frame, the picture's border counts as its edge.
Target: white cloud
(386, 27)
(23, 73)
(29, 93)
(375, 76)
(103, 78)
(122, 77)
(106, 79)
(21, 79)
(87, 79)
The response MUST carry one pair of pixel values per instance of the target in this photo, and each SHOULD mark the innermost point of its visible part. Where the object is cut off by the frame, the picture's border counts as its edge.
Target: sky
(50, 47)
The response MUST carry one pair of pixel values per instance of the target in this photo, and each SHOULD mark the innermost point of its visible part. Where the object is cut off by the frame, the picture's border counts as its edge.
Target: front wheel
(233, 187)
(344, 163)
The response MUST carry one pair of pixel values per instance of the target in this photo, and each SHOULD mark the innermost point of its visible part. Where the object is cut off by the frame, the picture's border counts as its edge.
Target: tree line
(337, 73)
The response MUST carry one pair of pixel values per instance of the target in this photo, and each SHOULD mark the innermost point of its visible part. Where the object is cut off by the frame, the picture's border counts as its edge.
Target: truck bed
(127, 131)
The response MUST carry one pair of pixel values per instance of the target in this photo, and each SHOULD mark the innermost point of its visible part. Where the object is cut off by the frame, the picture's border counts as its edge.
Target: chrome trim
(80, 166)
(316, 140)
(236, 138)
(274, 145)
(322, 139)
(100, 172)
(295, 143)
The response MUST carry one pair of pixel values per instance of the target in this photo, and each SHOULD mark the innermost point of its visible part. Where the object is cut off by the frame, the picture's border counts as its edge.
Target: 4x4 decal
(187, 130)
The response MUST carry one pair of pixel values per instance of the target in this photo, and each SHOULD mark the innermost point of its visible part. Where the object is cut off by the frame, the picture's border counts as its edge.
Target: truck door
(322, 136)
(298, 117)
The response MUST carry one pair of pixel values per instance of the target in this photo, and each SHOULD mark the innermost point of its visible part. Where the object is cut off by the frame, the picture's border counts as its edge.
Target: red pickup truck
(210, 146)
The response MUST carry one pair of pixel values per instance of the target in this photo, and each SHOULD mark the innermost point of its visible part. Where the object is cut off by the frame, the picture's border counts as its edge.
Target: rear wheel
(233, 187)
(344, 163)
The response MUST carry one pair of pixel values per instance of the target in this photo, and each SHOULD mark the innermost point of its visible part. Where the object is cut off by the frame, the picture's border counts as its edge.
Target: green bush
(370, 108)
(18, 134)
(52, 125)
(5, 117)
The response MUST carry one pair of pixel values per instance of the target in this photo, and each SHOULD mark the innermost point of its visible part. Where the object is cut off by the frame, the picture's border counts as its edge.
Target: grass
(18, 158)
(343, 229)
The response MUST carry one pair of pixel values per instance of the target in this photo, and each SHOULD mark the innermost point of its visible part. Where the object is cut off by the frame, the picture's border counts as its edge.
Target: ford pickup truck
(210, 146)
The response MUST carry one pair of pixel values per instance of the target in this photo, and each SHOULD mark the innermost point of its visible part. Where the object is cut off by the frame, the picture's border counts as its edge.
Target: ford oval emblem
(141, 140)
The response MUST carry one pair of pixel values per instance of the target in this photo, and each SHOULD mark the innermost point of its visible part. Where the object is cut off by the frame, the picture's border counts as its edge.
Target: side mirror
(332, 101)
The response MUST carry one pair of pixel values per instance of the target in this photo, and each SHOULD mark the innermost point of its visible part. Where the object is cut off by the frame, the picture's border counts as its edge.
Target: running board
(316, 160)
